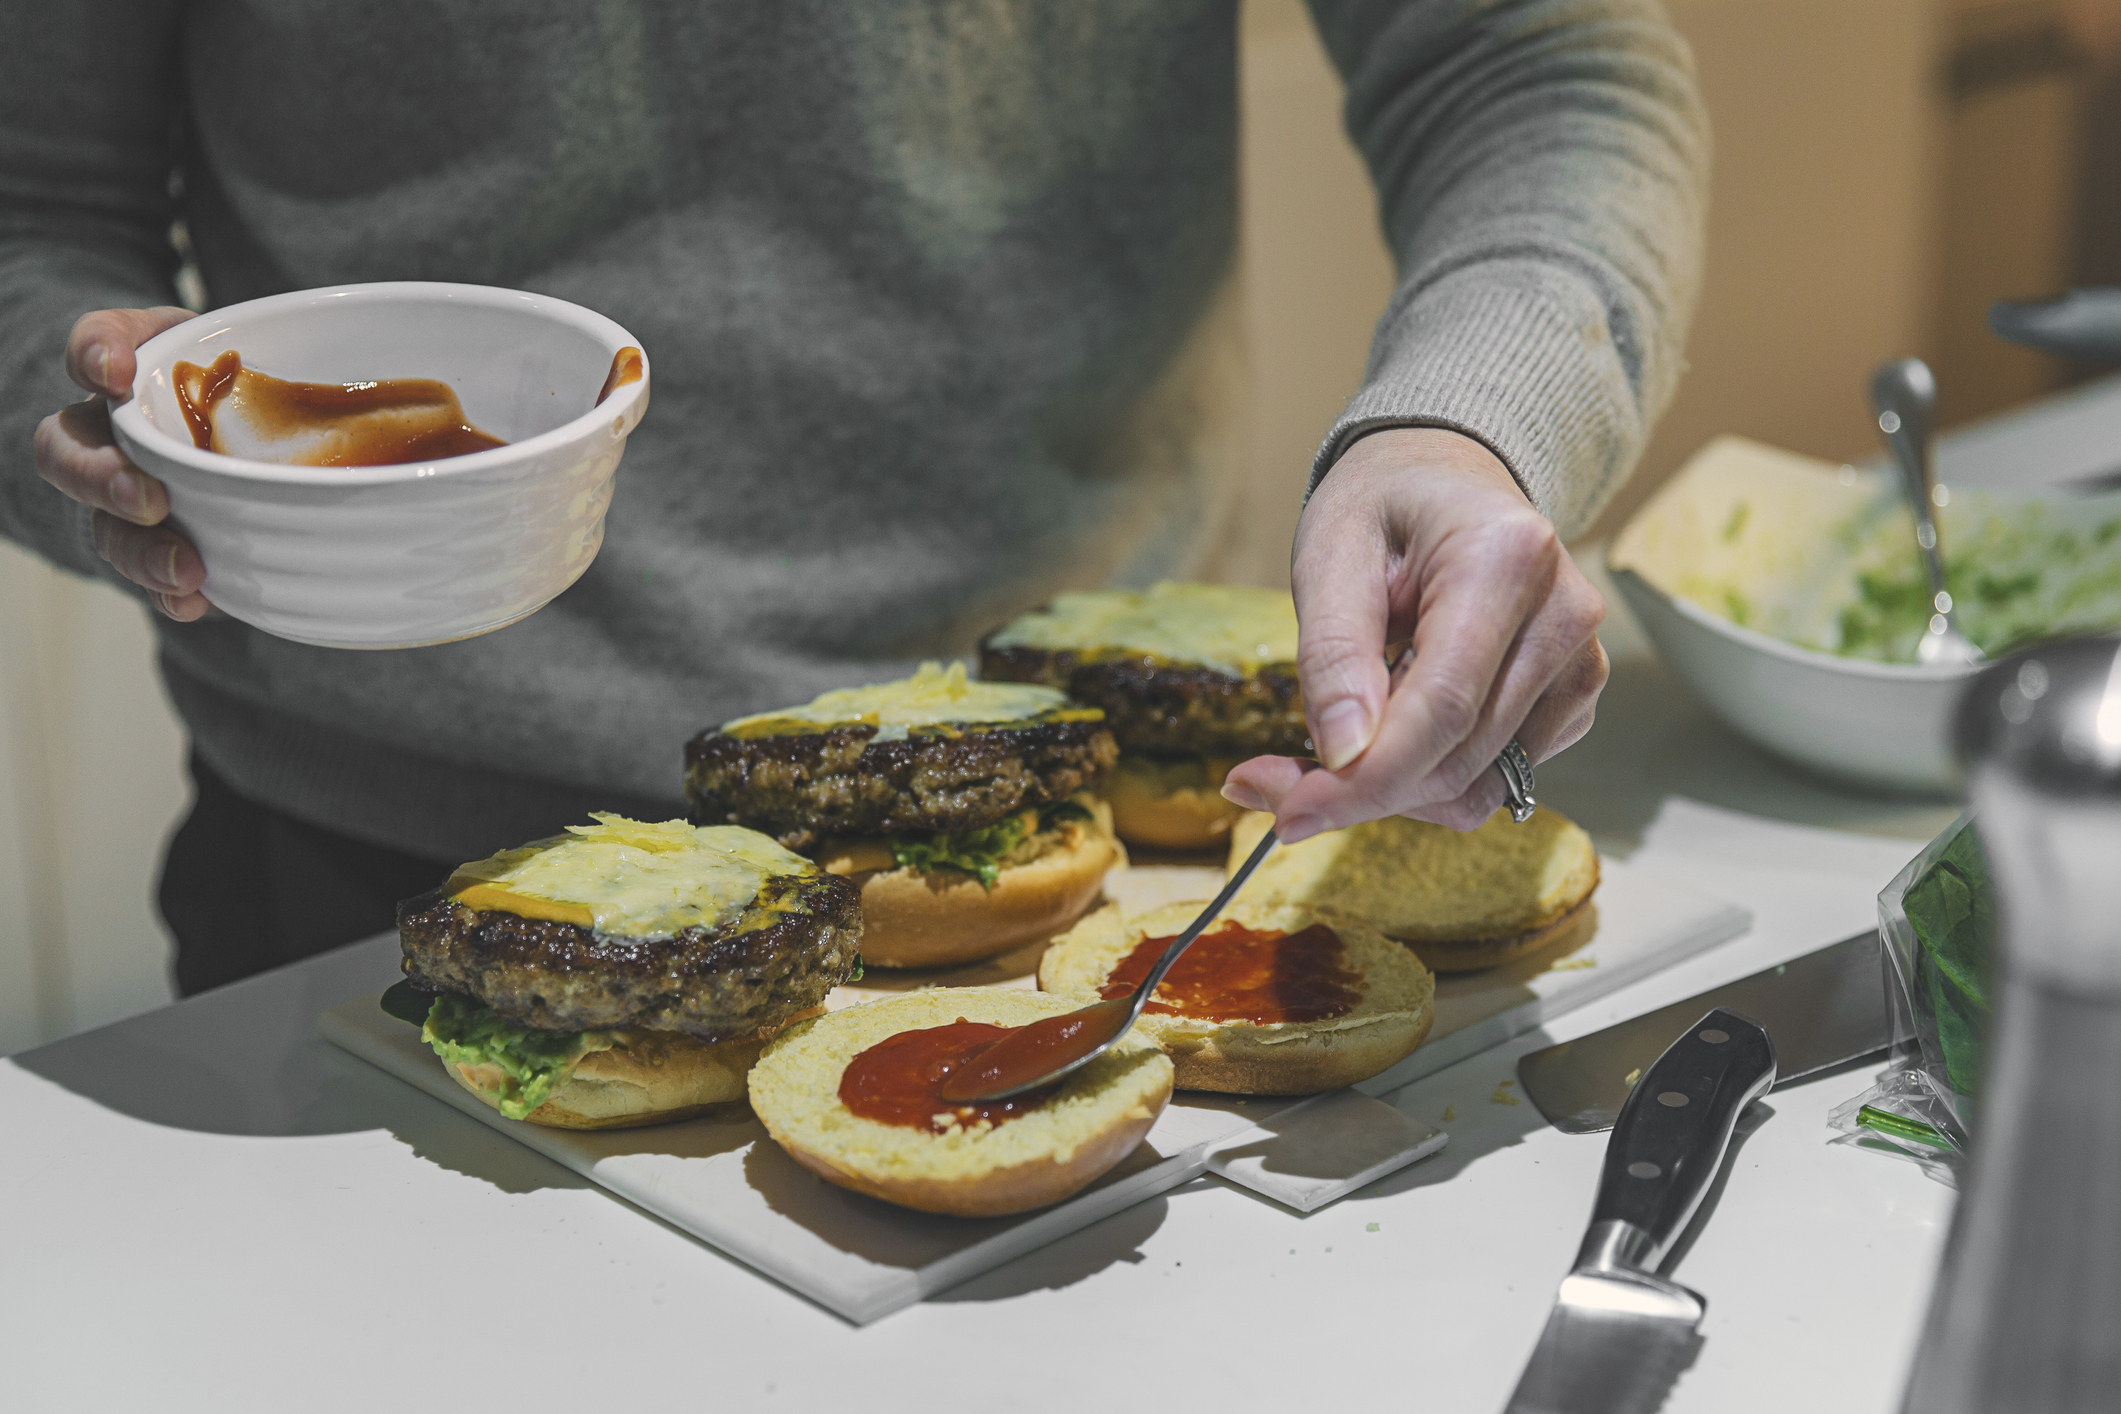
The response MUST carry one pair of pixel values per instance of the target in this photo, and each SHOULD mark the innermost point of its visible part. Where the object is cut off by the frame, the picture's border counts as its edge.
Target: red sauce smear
(899, 1080)
(625, 368)
(382, 422)
(1234, 973)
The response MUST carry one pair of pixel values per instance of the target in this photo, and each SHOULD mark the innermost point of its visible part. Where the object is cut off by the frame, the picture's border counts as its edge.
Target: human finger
(1470, 809)
(1341, 579)
(1561, 717)
(154, 557)
(1547, 666)
(1556, 721)
(1260, 783)
(76, 453)
(99, 349)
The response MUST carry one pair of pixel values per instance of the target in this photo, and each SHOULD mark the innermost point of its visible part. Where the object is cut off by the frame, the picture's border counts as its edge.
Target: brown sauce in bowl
(381, 422)
(378, 422)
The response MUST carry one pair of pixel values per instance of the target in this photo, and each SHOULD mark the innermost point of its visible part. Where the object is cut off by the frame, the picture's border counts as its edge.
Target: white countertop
(210, 1208)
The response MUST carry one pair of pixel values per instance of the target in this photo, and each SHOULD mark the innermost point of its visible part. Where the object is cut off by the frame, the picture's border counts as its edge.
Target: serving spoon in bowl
(1054, 1047)
(1904, 395)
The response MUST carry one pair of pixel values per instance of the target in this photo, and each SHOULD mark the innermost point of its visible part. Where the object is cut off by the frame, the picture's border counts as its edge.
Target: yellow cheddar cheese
(1232, 628)
(628, 877)
(934, 696)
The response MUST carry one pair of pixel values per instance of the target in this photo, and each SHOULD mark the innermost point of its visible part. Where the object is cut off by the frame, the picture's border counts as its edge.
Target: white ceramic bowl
(1874, 724)
(1870, 723)
(425, 552)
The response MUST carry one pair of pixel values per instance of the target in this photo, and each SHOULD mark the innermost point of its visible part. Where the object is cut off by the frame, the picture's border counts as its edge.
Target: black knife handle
(1669, 1139)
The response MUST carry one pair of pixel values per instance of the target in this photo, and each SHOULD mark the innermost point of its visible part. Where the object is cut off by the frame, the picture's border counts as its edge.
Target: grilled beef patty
(1154, 705)
(780, 957)
(801, 787)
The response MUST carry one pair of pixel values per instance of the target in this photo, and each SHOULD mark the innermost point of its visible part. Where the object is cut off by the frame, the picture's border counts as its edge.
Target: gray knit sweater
(924, 282)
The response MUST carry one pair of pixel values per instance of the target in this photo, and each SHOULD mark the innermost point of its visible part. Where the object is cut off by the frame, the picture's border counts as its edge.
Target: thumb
(1343, 608)
(99, 351)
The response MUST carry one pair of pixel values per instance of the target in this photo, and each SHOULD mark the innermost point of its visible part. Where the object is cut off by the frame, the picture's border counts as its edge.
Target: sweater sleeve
(86, 152)
(1542, 173)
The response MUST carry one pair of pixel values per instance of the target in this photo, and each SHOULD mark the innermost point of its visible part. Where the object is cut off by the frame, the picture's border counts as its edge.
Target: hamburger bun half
(633, 1078)
(1171, 803)
(945, 917)
(1054, 1150)
(1394, 1007)
(1461, 901)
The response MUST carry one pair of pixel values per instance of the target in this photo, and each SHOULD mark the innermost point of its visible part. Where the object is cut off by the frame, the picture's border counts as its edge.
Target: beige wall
(1821, 245)
(1870, 202)
(1820, 239)
(1315, 273)
(90, 781)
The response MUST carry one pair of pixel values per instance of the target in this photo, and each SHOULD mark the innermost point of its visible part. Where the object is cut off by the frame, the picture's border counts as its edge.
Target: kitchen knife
(1825, 1009)
(1619, 1333)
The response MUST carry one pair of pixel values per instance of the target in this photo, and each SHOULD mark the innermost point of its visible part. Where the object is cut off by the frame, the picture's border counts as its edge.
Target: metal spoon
(1904, 395)
(1045, 1051)
(1037, 1055)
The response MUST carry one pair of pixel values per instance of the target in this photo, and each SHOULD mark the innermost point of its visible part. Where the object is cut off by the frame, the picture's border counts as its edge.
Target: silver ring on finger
(1517, 779)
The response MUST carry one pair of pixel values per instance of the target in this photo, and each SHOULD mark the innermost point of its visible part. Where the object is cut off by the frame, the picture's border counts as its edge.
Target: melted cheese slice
(629, 878)
(1232, 628)
(934, 696)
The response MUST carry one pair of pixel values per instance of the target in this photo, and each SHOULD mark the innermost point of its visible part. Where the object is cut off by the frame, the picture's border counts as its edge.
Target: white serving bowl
(1870, 723)
(420, 553)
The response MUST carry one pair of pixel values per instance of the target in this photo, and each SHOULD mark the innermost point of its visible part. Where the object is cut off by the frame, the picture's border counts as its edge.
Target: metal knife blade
(1620, 1339)
(1619, 1333)
(1824, 1009)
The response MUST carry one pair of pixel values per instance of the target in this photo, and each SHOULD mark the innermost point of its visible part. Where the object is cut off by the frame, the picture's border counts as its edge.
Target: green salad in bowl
(1824, 557)
(1789, 594)
(2018, 571)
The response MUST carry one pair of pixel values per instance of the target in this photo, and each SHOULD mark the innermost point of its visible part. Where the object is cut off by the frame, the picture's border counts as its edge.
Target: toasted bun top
(1394, 983)
(795, 1090)
(1421, 882)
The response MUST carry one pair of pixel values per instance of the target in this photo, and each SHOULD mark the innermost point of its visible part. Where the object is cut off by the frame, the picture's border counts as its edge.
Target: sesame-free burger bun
(1463, 900)
(1096, 1118)
(646, 1077)
(941, 917)
(1394, 1009)
(1176, 805)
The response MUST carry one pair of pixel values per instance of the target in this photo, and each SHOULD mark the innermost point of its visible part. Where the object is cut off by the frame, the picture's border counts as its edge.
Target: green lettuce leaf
(976, 852)
(981, 852)
(466, 1032)
(1952, 910)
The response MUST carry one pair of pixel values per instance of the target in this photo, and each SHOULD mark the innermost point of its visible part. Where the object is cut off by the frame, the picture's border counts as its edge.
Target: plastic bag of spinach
(1938, 922)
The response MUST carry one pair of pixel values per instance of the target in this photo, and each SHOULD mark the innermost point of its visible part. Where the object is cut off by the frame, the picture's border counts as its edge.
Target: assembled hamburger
(623, 973)
(958, 808)
(1192, 678)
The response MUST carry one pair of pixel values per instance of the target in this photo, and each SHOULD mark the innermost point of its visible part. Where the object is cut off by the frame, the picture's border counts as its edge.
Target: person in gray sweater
(931, 287)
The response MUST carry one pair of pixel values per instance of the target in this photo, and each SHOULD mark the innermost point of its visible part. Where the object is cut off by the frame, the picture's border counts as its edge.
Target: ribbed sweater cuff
(1514, 356)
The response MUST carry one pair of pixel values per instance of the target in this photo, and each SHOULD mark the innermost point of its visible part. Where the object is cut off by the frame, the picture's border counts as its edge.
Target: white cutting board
(724, 1182)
